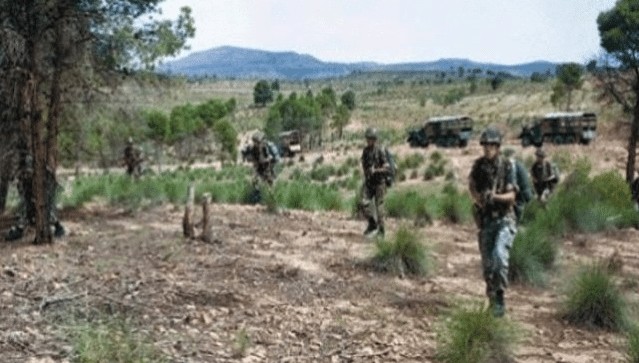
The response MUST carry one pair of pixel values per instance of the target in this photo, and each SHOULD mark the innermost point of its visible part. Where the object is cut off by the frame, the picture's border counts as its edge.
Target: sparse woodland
(292, 279)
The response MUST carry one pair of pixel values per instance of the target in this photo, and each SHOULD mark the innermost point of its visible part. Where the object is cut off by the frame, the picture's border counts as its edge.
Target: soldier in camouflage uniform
(132, 159)
(263, 161)
(544, 175)
(492, 184)
(375, 166)
(26, 208)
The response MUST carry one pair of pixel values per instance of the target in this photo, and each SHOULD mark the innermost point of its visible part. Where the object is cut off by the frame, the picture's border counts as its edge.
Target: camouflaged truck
(560, 128)
(445, 131)
(290, 143)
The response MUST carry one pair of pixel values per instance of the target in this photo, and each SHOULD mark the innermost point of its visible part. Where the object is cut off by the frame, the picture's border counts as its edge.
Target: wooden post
(187, 223)
(206, 219)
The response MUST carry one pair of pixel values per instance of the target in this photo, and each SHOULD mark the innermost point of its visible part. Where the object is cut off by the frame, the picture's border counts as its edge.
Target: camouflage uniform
(524, 194)
(375, 166)
(496, 222)
(544, 176)
(132, 159)
(262, 159)
(26, 208)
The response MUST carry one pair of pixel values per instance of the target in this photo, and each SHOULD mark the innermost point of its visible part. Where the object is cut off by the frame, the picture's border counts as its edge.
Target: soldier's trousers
(495, 241)
(372, 203)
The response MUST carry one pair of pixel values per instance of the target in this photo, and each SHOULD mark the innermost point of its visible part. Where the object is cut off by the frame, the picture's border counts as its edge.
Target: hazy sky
(394, 31)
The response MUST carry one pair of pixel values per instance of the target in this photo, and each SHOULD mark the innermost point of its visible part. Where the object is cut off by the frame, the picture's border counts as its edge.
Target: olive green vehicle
(560, 128)
(445, 131)
(290, 143)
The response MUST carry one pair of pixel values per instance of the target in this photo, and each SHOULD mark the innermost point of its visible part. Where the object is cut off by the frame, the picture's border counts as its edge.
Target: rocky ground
(293, 284)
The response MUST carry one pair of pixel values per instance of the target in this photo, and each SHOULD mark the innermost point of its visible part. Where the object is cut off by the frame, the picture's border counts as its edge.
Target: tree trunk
(632, 142)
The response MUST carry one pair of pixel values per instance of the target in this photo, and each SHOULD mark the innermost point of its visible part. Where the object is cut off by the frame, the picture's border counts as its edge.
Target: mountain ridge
(235, 62)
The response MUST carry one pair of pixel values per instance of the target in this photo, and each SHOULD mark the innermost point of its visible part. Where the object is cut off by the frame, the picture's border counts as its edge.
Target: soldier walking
(263, 164)
(545, 176)
(375, 166)
(132, 159)
(492, 184)
(263, 161)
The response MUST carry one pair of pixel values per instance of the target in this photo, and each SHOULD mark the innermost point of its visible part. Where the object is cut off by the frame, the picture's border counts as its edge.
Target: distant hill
(237, 62)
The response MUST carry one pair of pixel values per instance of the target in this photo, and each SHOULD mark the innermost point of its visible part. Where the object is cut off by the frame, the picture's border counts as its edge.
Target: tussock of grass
(593, 300)
(449, 204)
(411, 161)
(404, 254)
(111, 341)
(241, 343)
(633, 345)
(474, 335)
(308, 196)
(455, 207)
(534, 252)
(606, 206)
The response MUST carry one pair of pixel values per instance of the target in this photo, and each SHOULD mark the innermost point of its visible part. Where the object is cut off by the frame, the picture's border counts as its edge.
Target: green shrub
(532, 254)
(436, 157)
(308, 196)
(580, 204)
(404, 254)
(241, 343)
(322, 172)
(453, 206)
(633, 345)
(111, 341)
(411, 161)
(593, 300)
(406, 203)
(474, 335)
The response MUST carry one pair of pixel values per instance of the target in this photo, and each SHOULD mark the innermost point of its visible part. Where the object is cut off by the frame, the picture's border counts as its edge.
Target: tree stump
(206, 220)
(187, 222)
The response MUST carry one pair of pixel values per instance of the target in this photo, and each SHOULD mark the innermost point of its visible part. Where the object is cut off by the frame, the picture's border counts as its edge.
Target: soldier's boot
(58, 230)
(16, 232)
(371, 229)
(498, 305)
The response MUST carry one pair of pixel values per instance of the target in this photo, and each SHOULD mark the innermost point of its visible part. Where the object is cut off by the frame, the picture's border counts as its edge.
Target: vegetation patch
(592, 300)
(474, 335)
(111, 340)
(608, 206)
(633, 345)
(404, 254)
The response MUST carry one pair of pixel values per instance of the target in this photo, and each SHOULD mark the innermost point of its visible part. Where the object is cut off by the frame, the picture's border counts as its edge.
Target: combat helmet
(490, 136)
(258, 136)
(371, 133)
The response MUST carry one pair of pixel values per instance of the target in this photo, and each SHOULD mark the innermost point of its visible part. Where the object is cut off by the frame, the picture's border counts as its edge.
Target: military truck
(445, 131)
(290, 143)
(560, 128)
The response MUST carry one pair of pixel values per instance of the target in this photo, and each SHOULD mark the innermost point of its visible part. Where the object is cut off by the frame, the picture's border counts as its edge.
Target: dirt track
(294, 282)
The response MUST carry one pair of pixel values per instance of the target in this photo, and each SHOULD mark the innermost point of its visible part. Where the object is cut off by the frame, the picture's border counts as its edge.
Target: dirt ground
(293, 282)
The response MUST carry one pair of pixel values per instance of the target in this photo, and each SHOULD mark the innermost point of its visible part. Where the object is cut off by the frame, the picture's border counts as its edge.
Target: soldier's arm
(472, 187)
(367, 170)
